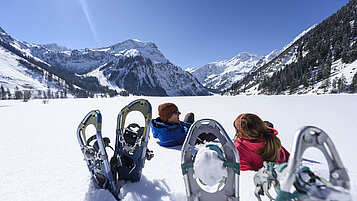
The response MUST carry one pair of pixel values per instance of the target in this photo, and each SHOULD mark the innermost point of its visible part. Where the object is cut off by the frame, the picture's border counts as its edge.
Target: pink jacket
(250, 160)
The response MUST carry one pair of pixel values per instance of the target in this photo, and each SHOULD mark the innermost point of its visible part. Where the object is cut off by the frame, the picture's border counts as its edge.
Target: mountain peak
(55, 47)
(245, 56)
(134, 44)
(145, 49)
(2, 30)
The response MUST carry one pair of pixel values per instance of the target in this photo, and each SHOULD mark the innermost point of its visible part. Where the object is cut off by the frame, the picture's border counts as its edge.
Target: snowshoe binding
(228, 188)
(308, 186)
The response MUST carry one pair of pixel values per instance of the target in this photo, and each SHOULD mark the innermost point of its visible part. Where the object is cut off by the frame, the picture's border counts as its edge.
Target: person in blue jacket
(168, 128)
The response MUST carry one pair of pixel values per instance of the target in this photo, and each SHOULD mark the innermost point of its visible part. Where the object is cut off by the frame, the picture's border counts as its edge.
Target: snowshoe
(94, 152)
(131, 143)
(229, 188)
(130, 148)
(308, 186)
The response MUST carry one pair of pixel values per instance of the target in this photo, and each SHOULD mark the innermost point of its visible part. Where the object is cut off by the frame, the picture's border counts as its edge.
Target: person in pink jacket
(256, 142)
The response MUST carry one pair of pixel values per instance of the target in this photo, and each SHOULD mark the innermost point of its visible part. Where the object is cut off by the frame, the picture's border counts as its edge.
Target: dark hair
(250, 126)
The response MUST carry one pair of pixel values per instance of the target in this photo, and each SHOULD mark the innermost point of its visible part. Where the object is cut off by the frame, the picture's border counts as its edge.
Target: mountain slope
(313, 63)
(141, 76)
(14, 74)
(131, 66)
(221, 74)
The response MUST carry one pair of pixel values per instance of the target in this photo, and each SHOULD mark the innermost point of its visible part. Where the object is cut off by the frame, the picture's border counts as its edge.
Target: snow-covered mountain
(15, 73)
(133, 66)
(322, 59)
(85, 60)
(22, 73)
(222, 74)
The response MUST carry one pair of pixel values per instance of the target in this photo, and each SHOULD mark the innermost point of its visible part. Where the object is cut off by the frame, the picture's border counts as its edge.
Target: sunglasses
(177, 112)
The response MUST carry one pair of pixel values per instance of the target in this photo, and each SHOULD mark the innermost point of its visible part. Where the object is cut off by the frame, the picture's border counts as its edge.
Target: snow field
(41, 158)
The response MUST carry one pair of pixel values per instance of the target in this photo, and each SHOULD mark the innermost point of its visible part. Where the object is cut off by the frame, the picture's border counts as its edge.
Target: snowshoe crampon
(94, 151)
(308, 186)
(228, 189)
(131, 143)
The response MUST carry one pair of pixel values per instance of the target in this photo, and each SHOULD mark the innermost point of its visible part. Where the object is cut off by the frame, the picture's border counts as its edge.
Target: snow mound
(208, 167)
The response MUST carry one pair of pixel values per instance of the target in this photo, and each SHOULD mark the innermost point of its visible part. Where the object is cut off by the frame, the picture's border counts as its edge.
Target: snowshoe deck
(230, 190)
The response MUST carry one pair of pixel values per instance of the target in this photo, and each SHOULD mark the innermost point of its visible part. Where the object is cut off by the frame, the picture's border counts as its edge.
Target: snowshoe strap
(233, 165)
(93, 137)
(301, 184)
(185, 166)
(216, 149)
(266, 177)
(130, 135)
(106, 142)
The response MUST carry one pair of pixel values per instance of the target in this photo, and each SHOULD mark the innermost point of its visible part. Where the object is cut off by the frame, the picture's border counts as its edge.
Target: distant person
(256, 142)
(168, 128)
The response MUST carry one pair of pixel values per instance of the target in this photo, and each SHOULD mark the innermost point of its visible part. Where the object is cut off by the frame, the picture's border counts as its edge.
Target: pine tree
(341, 84)
(49, 94)
(353, 85)
(8, 93)
(39, 94)
(2, 93)
(326, 84)
(18, 93)
(27, 95)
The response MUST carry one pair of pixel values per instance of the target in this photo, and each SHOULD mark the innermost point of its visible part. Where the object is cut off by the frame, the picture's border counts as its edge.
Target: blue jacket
(169, 134)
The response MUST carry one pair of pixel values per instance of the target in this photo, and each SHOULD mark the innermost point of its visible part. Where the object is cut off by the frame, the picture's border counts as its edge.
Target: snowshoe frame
(97, 160)
(307, 137)
(194, 192)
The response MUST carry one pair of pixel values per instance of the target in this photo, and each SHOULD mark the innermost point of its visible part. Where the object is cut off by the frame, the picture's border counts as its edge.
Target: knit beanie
(166, 110)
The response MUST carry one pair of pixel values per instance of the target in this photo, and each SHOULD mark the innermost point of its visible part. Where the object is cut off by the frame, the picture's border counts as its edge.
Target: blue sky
(190, 33)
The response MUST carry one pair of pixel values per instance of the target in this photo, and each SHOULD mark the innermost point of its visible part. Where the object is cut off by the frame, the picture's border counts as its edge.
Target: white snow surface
(41, 158)
(208, 167)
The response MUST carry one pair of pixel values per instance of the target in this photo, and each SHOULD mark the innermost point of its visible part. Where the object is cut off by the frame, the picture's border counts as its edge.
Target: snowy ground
(41, 158)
